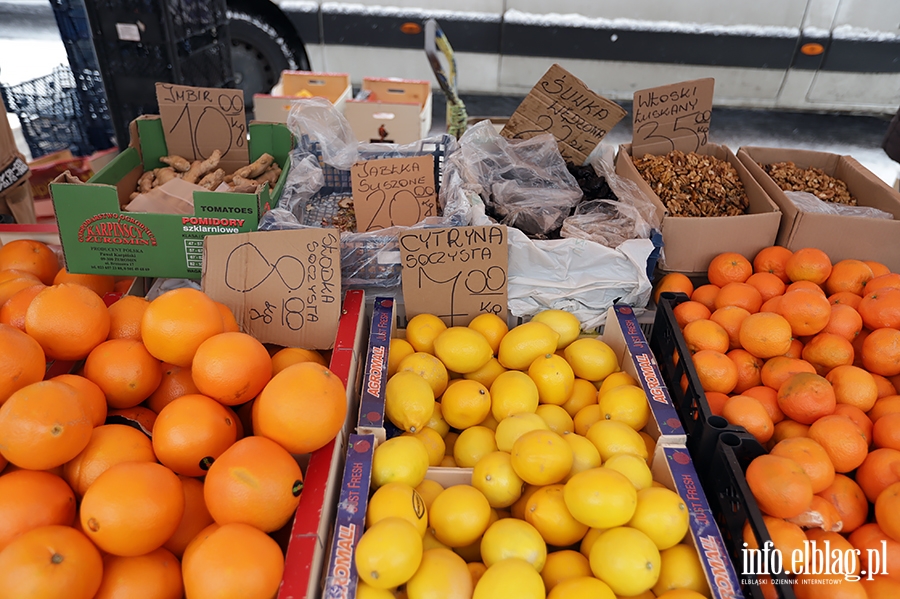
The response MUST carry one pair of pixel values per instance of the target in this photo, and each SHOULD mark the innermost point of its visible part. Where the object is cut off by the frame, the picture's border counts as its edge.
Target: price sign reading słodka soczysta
(455, 273)
(672, 117)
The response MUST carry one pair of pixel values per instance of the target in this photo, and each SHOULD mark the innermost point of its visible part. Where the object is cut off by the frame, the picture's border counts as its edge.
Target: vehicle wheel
(262, 45)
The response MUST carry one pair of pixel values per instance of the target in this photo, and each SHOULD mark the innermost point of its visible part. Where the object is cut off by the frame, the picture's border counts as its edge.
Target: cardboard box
(397, 111)
(691, 242)
(275, 107)
(100, 238)
(841, 237)
(46, 233)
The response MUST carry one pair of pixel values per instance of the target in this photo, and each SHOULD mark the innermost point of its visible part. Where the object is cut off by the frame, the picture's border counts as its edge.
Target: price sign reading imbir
(455, 273)
(672, 117)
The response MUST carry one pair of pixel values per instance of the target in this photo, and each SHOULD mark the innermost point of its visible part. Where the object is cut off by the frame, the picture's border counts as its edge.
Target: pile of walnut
(694, 184)
(790, 177)
(206, 173)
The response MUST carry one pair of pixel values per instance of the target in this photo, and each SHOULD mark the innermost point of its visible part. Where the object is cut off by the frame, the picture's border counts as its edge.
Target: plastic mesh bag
(807, 202)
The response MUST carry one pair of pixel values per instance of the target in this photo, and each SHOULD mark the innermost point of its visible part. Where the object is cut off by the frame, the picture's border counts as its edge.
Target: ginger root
(145, 183)
(182, 165)
(164, 175)
(251, 171)
(212, 180)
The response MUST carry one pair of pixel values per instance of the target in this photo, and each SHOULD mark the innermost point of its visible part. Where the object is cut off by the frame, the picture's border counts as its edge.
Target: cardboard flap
(398, 91)
(391, 192)
(68, 177)
(325, 85)
(672, 117)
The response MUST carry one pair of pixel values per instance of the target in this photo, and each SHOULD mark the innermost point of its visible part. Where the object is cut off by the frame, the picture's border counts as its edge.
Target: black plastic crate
(162, 20)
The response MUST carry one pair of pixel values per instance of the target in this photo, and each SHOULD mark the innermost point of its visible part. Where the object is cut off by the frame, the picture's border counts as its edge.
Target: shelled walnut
(790, 177)
(694, 184)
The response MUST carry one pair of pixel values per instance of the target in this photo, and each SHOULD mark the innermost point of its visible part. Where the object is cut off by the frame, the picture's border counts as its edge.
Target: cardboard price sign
(199, 120)
(561, 104)
(672, 117)
(393, 192)
(284, 287)
(455, 273)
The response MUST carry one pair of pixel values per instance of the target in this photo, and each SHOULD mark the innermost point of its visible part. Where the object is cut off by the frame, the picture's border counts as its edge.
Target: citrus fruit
(522, 344)
(429, 368)
(13, 311)
(626, 559)
(421, 331)
(584, 455)
(177, 322)
(30, 256)
(725, 268)
(582, 587)
(553, 377)
(441, 573)
(661, 515)
(175, 381)
(429, 489)
(462, 349)
(401, 459)
(68, 321)
(765, 334)
(125, 317)
(466, 403)
(364, 591)
(556, 418)
(433, 442)
(232, 368)
(634, 468)
(492, 327)
(409, 401)
(541, 457)
(156, 574)
(511, 577)
(124, 370)
(21, 361)
(627, 404)
(110, 444)
(99, 284)
(591, 359)
(563, 565)
(508, 538)
(195, 518)
(191, 432)
(512, 427)
(89, 394)
(611, 437)
(389, 553)
(487, 373)
(30, 499)
(497, 480)
(289, 356)
(680, 568)
(513, 392)
(565, 323)
(473, 444)
(780, 486)
(459, 515)
(546, 510)
(600, 498)
(397, 500)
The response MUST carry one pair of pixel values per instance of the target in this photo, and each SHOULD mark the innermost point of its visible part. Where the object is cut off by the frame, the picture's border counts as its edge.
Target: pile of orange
(181, 492)
(805, 355)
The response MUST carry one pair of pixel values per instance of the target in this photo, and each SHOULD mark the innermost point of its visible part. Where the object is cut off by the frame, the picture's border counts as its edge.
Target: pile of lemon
(562, 503)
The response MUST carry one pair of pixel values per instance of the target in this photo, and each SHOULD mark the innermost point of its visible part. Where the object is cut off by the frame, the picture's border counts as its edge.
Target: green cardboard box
(99, 238)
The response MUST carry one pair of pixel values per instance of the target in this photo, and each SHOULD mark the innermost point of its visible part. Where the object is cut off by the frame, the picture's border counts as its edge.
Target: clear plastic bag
(317, 119)
(807, 202)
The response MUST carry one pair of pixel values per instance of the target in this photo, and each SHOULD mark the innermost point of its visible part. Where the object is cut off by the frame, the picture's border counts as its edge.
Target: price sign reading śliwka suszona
(455, 273)
(390, 192)
(672, 117)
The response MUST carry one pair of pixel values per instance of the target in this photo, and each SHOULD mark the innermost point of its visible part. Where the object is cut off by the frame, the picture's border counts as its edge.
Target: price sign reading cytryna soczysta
(672, 117)
(455, 273)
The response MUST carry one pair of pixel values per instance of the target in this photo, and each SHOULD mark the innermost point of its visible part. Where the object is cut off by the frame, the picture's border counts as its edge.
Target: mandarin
(674, 282)
(689, 311)
(21, 361)
(884, 405)
(773, 260)
(748, 369)
(768, 284)
(729, 267)
(879, 470)
(748, 412)
(853, 385)
(848, 275)
(68, 321)
(706, 295)
(705, 334)
(730, 318)
(806, 397)
(869, 537)
(768, 397)
(885, 386)
(13, 311)
(858, 417)
(742, 295)
(845, 298)
(27, 255)
(844, 442)
(827, 351)
(808, 264)
(887, 511)
(811, 456)
(886, 281)
(765, 334)
(780, 486)
(881, 308)
(820, 514)
(716, 371)
(881, 352)
(808, 312)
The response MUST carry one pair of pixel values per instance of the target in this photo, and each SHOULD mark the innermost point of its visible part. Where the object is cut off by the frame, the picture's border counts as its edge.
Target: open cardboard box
(397, 111)
(841, 237)
(275, 106)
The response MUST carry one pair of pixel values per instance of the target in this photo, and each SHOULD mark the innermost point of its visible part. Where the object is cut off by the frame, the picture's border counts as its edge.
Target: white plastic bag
(807, 202)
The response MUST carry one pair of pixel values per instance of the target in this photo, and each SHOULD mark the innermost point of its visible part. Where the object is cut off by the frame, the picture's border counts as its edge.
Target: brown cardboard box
(15, 190)
(691, 242)
(275, 107)
(396, 111)
(840, 237)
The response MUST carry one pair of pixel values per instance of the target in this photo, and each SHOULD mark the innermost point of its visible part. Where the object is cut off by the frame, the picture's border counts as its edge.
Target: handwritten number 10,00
(208, 126)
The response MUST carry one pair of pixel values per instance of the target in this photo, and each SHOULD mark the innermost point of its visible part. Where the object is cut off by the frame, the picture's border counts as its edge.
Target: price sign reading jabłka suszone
(672, 117)
(455, 273)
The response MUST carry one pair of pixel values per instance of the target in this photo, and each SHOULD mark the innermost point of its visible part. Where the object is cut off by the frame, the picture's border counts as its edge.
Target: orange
(748, 367)
(746, 411)
(716, 401)
(881, 352)
(806, 397)
(125, 370)
(256, 482)
(885, 387)
(68, 321)
(768, 397)
(837, 543)
(827, 351)
(50, 561)
(881, 308)
(886, 432)
(690, 311)
(21, 361)
(786, 537)
(848, 275)
(729, 267)
(820, 514)
(123, 285)
(808, 312)
(9, 289)
(765, 334)
(175, 381)
(880, 587)
(771, 304)
(796, 350)
(301, 422)
(125, 317)
(887, 511)
(706, 295)
(843, 441)
(883, 406)
(229, 322)
(196, 516)
(780, 368)
(811, 456)
(869, 536)
(730, 318)
(99, 284)
(295, 355)
(844, 321)
(235, 561)
(878, 268)
(879, 470)
(768, 284)
(788, 429)
(705, 334)
(177, 322)
(132, 508)
(232, 368)
(886, 281)
(89, 394)
(11, 274)
(858, 417)
(716, 371)
(827, 586)
(845, 298)
(43, 426)
(30, 256)
(780, 486)
(808, 264)
(110, 444)
(138, 417)
(12, 312)
(773, 260)
(853, 385)
(191, 432)
(156, 575)
(807, 285)
(30, 499)
(742, 295)
(674, 282)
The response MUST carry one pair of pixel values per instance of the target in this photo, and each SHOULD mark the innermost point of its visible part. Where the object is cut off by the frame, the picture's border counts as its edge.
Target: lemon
(562, 565)
(492, 327)
(625, 559)
(459, 515)
(437, 422)
(611, 437)
(583, 587)
(681, 569)
(633, 468)
(429, 541)
(389, 553)
(615, 380)
(462, 349)
(585, 455)
(648, 442)
(433, 442)
(626, 403)
(429, 489)
(490, 422)
(662, 515)
(509, 538)
(473, 444)
(364, 591)
(465, 404)
(429, 368)
(553, 377)
(399, 460)
(517, 510)
(448, 462)
(397, 500)
(583, 394)
(421, 331)
(495, 477)
(512, 427)
(588, 541)
(556, 418)
(450, 442)
(513, 392)
(587, 417)
(675, 594)
(398, 349)
(476, 571)
(600, 498)
(472, 551)
(546, 511)
(408, 401)
(564, 323)
(591, 359)
(521, 345)
(441, 573)
(487, 373)
(512, 577)
(542, 457)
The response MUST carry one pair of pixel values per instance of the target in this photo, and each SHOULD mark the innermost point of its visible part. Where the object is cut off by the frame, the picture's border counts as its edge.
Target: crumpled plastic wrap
(807, 202)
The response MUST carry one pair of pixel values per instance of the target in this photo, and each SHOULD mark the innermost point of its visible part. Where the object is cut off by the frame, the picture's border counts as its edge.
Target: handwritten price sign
(455, 273)
(672, 117)
(393, 192)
